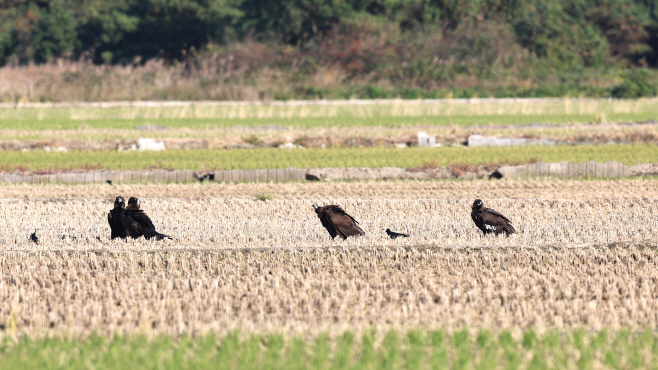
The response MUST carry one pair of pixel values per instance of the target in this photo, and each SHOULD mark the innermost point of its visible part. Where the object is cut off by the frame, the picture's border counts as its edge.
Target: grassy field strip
(315, 292)
(410, 349)
(458, 112)
(226, 159)
(348, 108)
(238, 224)
(544, 188)
(285, 103)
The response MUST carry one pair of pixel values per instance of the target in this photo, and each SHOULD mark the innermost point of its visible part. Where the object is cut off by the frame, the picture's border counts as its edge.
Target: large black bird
(394, 235)
(489, 220)
(114, 219)
(34, 238)
(137, 223)
(337, 222)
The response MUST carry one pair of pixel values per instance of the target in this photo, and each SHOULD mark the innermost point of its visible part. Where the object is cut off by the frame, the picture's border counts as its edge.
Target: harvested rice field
(251, 279)
(311, 292)
(471, 189)
(292, 224)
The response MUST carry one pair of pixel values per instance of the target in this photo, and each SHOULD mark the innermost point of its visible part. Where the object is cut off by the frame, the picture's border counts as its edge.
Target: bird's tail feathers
(509, 228)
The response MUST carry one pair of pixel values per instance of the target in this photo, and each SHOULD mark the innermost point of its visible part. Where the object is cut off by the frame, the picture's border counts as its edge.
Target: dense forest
(384, 48)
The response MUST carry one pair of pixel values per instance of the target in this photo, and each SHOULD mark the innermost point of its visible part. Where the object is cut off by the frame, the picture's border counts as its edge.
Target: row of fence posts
(609, 169)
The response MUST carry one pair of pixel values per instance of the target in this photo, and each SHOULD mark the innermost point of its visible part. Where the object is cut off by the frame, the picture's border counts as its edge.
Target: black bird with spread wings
(338, 222)
(489, 220)
(137, 223)
(114, 219)
(394, 235)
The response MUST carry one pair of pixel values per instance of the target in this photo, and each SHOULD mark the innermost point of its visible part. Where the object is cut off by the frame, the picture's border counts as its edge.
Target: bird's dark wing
(495, 222)
(477, 219)
(129, 225)
(116, 226)
(141, 217)
(327, 223)
(345, 224)
(495, 213)
(137, 223)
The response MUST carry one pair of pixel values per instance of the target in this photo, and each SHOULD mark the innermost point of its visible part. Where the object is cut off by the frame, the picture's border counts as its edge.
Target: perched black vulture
(489, 220)
(34, 238)
(394, 235)
(137, 223)
(114, 219)
(337, 222)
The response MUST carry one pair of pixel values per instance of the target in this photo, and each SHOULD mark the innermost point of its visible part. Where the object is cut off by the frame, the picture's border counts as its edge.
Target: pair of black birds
(338, 222)
(131, 221)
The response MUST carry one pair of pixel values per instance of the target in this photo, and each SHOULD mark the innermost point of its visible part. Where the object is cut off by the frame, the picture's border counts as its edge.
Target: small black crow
(109, 182)
(34, 238)
(394, 235)
(137, 223)
(337, 222)
(489, 220)
(208, 176)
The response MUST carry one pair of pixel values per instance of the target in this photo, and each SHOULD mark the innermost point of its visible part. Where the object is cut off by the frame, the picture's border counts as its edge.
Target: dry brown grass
(327, 290)
(512, 189)
(269, 266)
(241, 223)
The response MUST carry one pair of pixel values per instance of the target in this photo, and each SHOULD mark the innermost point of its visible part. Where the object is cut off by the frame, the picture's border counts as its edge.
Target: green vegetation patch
(416, 349)
(389, 114)
(226, 159)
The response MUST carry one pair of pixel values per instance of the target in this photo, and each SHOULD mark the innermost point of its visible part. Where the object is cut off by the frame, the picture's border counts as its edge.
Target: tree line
(587, 32)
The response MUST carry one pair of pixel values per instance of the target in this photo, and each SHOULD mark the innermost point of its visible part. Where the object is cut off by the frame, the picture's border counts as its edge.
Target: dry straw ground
(236, 262)
(235, 223)
(508, 189)
(309, 292)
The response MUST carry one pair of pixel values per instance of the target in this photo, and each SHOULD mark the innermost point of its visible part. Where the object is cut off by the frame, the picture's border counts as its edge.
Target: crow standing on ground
(114, 219)
(34, 238)
(394, 235)
(337, 222)
(206, 177)
(489, 220)
(137, 223)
